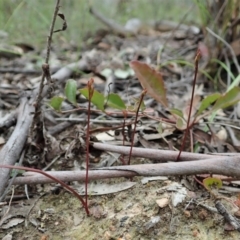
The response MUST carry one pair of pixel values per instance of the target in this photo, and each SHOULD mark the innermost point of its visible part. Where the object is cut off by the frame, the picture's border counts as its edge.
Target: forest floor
(140, 207)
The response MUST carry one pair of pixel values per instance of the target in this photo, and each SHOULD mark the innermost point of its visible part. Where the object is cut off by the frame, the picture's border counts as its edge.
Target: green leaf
(180, 124)
(228, 99)
(97, 98)
(115, 101)
(151, 80)
(177, 112)
(206, 102)
(56, 103)
(211, 182)
(234, 83)
(71, 91)
(226, 68)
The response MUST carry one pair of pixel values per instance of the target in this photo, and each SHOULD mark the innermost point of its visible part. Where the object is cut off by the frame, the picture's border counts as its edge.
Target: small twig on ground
(102, 121)
(48, 176)
(157, 154)
(227, 216)
(61, 127)
(11, 151)
(210, 209)
(228, 166)
(13, 177)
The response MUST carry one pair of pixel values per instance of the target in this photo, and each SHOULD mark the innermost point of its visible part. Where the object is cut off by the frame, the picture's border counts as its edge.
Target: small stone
(187, 213)
(163, 202)
(237, 214)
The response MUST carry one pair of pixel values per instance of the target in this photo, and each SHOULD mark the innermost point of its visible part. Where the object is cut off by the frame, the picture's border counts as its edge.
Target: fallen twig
(70, 189)
(68, 176)
(11, 151)
(228, 166)
(159, 155)
(227, 216)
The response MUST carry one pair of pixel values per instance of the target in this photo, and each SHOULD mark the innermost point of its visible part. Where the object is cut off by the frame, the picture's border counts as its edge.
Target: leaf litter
(137, 209)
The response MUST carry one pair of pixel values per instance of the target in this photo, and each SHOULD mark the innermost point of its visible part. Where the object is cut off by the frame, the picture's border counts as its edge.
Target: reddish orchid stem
(51, 177)
(123, 134)
(191, 104)
(124, 125)
(90, 94)
(135, 124)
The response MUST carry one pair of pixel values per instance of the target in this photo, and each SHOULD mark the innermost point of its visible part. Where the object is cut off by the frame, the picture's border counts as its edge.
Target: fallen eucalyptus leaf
(101, 189)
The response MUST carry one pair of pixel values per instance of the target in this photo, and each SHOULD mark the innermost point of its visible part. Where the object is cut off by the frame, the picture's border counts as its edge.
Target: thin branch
(227, 216)
(11, 151)
(45, 67)
(157, 154)
(49, 40)
(228, 166)
(50, 177)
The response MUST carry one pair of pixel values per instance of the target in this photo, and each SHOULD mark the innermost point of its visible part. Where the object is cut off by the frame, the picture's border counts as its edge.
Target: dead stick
(68, 176)
(228, 166)
(227, 216)
(11, 151)
(159, 155)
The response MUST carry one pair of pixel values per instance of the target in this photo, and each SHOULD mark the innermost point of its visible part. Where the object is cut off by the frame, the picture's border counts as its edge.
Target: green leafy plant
(151, 80)
(153, 83)
(112, 100)
(70, 90)
(212, 182)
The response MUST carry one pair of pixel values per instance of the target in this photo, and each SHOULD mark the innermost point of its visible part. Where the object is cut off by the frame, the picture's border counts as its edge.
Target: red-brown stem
(198, 181)
(191, 104)
(123, 134)
(90, 94)
(51, 177)
(203, 185)
(124, 125)
(135, 124)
